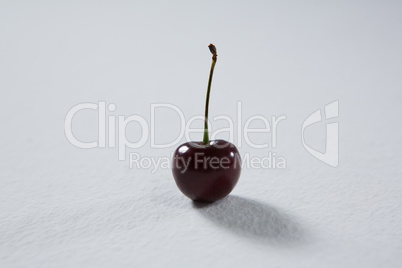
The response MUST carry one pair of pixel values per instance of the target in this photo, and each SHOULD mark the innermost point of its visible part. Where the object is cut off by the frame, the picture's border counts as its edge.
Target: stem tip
(212, 48)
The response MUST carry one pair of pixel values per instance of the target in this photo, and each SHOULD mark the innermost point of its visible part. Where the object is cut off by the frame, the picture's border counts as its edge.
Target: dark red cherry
(206, 172)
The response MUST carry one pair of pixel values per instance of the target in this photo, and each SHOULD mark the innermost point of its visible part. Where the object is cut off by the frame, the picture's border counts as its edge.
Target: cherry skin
(206, 172)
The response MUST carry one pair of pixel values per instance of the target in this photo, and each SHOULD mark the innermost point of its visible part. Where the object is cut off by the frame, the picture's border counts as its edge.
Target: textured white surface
(61, 206)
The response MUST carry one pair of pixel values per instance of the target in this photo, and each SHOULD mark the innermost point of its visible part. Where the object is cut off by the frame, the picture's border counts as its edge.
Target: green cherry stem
(212, 48)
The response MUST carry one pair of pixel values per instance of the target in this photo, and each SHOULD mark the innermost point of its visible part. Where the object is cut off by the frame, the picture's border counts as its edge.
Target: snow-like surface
(61, 206)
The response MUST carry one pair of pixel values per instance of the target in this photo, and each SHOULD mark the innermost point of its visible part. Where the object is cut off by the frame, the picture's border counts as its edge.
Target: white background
(61, 206)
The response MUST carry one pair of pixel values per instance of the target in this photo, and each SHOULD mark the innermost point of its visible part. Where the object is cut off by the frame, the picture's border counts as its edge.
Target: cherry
(208, 170)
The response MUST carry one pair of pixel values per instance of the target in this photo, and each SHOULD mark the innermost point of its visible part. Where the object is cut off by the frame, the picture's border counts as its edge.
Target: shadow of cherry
(253, 220)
